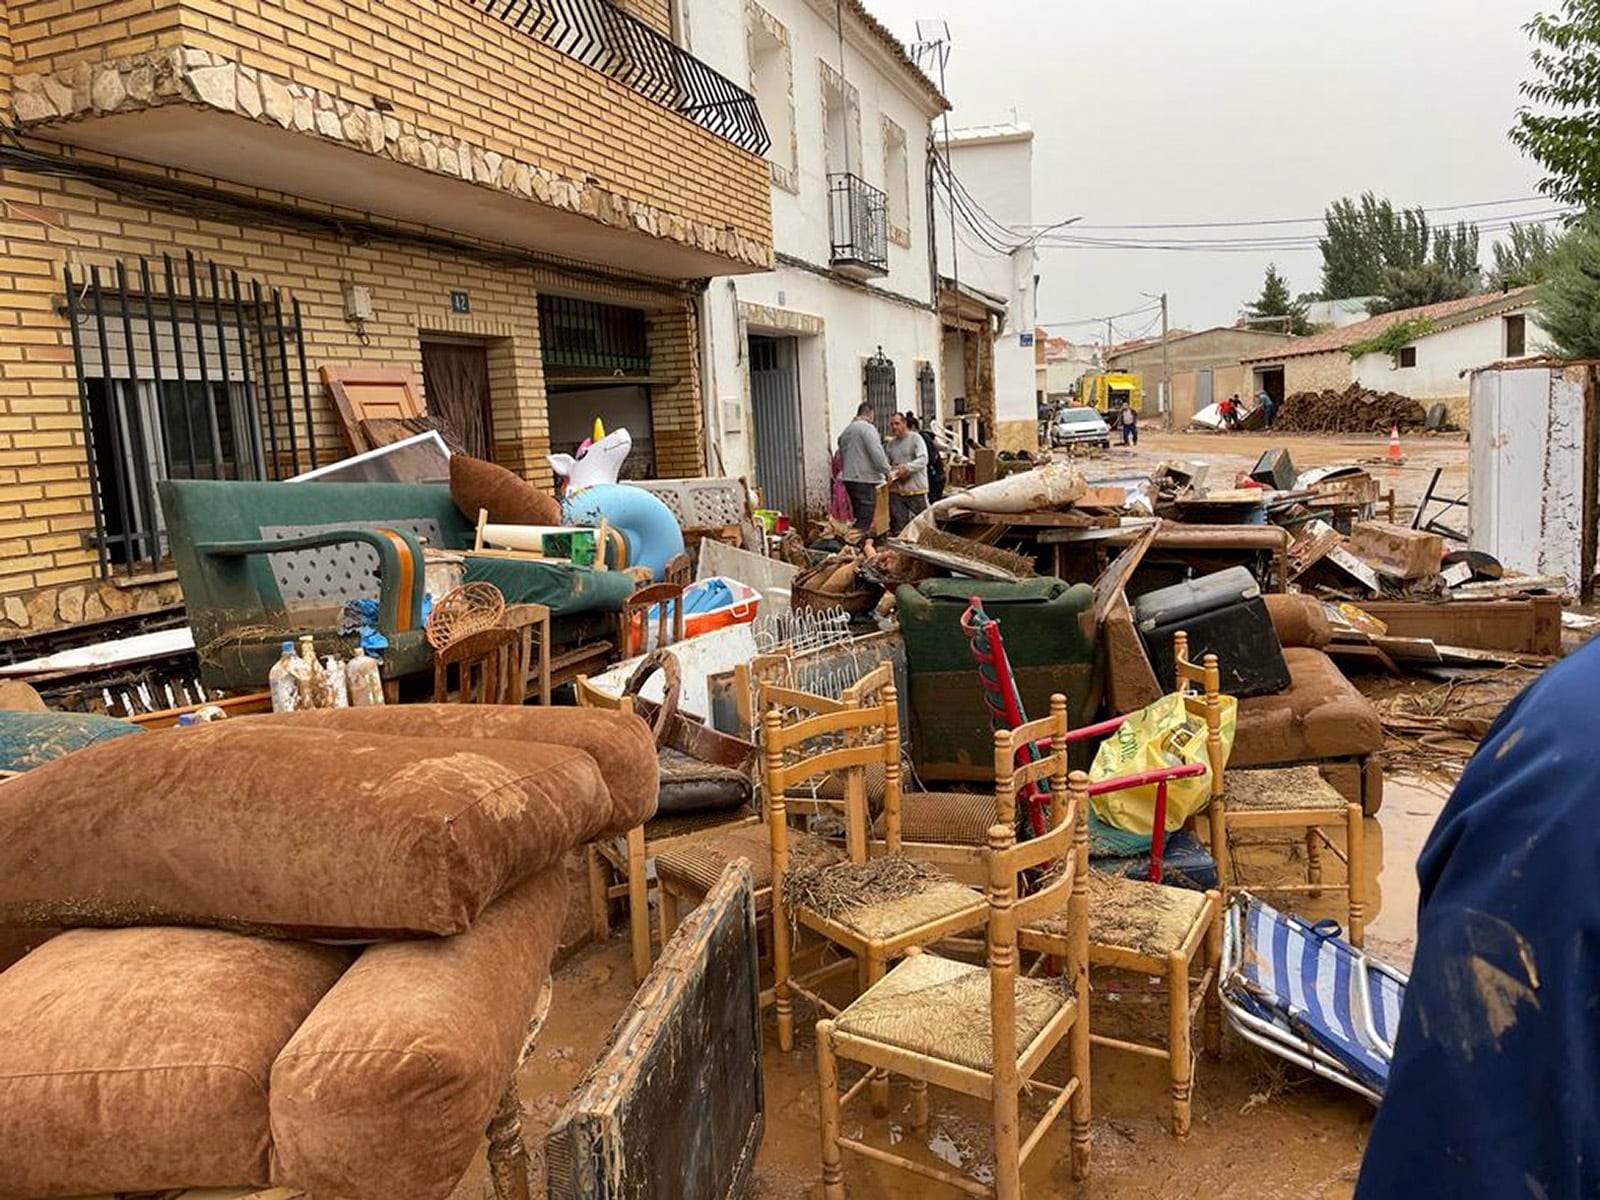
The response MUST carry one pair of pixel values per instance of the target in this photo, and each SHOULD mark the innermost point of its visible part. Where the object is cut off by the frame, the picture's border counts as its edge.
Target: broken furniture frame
(895, 1024)
(1420, 519)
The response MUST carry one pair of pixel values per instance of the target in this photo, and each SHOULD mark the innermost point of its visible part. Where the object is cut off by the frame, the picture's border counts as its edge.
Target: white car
(1080, 427)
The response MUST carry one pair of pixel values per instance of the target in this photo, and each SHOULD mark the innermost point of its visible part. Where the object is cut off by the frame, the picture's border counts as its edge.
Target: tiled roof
(1449, 311)
(897, 48)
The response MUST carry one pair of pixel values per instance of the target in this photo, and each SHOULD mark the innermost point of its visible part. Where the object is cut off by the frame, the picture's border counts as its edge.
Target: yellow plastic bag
(1163, 734)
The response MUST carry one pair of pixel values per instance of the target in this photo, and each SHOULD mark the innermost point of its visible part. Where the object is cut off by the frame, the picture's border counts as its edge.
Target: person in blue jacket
(1495, 1087)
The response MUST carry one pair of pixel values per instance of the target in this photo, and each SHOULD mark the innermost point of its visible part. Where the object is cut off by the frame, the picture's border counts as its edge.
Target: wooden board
(673, 1107)
(387, 395)
(1531, 626)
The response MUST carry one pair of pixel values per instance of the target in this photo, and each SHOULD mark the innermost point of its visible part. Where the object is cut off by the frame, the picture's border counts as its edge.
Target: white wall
(856, 320)
(997, 172)
(1442, 356)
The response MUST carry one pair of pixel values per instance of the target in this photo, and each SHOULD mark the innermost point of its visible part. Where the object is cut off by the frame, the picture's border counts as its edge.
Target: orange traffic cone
(1394, 454)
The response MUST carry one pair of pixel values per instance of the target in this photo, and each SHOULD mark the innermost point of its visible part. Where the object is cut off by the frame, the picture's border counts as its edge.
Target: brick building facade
(463, 176)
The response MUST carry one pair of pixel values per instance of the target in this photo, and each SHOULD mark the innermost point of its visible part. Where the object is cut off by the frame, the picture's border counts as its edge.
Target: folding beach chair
(1303, 993)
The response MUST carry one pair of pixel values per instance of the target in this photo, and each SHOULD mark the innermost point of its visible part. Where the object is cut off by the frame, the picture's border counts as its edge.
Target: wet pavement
(1262, 1129)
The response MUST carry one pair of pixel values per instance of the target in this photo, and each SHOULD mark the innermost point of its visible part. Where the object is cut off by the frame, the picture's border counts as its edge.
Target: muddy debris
(1356, 409)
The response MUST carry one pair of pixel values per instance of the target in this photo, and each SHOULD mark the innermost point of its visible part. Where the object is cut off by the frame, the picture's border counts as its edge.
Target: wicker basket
(469, 609)
(803, 595)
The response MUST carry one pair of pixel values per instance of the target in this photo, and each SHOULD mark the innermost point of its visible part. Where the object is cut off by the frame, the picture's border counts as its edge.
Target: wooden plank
(673, 1106)
(234, 706)
(1511, 585)
(1524, 626)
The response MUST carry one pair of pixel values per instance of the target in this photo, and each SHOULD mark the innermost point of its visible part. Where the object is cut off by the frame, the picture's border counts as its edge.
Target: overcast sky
(1222, 110)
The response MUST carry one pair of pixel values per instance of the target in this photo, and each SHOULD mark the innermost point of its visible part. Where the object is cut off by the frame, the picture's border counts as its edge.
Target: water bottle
(338, 692)
(283, 682)
(313, 679)
(363, 680)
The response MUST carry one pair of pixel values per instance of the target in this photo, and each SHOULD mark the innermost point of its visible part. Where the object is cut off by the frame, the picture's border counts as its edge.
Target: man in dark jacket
(1493, 1089)
(935, 458)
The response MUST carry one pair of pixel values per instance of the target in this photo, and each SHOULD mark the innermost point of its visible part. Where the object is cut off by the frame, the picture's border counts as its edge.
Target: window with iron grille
(586, 333)
(927, 395)
(183, 373)
(877, 387)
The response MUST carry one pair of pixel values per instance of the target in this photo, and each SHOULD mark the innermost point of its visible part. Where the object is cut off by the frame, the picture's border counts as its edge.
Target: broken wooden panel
(1531, 626)
(673, 1106)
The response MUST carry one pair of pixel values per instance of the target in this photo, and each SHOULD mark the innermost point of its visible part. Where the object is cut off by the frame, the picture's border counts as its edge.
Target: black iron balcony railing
(858, 215)
(600, 35)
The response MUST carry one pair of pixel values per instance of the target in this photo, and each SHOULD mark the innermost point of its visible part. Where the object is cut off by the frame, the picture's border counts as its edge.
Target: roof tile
(1349, 335)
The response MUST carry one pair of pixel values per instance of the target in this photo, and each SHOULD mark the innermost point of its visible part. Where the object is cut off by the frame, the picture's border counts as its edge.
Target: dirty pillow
(137, 1060)
(300, 832)
(386, 1088)
(475, 484)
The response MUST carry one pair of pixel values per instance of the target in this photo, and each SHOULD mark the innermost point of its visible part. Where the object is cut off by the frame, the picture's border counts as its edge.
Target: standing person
(863, 466)
(1130, 426)
(1268, 408)
(1492, 1090)
(1229, 411)
(908, 475)
(935, 458)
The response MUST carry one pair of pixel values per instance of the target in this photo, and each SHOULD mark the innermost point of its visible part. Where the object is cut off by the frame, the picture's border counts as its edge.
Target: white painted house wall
(1525, 481)
(995, 165)
(842, 324)
(1443, 356)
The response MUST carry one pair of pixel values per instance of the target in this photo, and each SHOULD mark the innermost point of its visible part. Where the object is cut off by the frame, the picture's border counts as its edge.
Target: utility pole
(1105, 356)
(1166, 360)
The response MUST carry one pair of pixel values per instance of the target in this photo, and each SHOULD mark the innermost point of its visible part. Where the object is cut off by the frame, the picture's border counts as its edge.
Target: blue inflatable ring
(647, 525)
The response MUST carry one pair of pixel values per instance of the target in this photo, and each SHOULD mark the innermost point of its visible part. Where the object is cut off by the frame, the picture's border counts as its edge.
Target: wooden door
(455, 378)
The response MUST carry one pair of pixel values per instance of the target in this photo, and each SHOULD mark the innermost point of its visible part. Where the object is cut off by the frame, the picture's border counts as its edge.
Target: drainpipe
(710, 405)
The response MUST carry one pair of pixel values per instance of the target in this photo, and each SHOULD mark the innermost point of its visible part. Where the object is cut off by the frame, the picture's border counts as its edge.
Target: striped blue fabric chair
(1302, 992)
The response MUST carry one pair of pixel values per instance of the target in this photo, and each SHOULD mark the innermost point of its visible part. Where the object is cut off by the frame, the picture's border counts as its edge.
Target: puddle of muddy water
(1262, 1129)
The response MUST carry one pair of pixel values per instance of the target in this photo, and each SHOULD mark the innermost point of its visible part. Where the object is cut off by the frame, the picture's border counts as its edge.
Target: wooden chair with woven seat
(925, 1019)
(926, 905)
(1295, 798)
(1152, 930)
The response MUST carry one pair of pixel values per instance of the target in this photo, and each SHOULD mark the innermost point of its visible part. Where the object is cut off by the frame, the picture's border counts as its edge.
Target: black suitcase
(1223, 614)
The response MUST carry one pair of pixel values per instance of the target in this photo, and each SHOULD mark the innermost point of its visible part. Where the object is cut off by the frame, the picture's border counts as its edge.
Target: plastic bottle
(314, 688)
(338, 691)
(283, 682)
(363, 680)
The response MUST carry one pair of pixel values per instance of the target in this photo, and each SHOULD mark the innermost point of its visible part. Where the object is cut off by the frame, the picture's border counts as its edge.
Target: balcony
(858, 219)
(566, 127)
(618, 44)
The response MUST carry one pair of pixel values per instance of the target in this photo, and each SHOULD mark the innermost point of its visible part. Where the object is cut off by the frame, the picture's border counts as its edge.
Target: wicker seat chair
(1295, 798)
(925, 1019)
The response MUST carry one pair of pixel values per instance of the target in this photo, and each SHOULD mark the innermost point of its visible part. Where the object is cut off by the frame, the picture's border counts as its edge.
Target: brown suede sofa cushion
(621, 744)
(386, 1089)
(15, 942)
(475, 484)
(1322, 715)
(266, 826)
(1299, 620)
(136, 1060)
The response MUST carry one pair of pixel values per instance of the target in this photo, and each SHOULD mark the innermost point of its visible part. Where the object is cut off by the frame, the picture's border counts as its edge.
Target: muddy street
(1248, 1107)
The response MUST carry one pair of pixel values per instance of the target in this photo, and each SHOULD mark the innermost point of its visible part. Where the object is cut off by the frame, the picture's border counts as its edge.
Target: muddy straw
(830, 892)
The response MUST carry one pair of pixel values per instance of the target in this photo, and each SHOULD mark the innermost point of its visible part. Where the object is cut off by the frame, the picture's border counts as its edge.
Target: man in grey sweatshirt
(863, 465)
(908, 477)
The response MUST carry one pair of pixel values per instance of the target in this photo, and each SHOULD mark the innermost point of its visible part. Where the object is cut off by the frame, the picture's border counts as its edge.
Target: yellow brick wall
(656, 13)
(5, 52)
(676, 412)
(446, 66)
(51, 223)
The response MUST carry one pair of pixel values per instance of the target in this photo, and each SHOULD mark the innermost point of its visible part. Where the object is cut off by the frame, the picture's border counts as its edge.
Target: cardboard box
(1397, 551)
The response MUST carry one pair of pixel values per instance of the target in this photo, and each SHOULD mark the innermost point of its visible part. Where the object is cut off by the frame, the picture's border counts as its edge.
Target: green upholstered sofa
(262, 562)
(1049, 633)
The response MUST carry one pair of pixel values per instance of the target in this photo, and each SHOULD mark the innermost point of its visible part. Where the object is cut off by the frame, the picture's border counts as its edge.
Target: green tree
(1569, 297)
(1413, 287)
(1362, 238)
(1523, 258)
(1274, 309)
(1559, 127)
(1456, 252)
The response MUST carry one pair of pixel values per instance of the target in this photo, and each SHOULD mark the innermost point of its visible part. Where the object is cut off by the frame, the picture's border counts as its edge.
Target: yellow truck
(1110, 392)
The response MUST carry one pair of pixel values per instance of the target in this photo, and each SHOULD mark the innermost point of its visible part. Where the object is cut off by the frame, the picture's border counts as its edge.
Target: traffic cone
(1394, 454)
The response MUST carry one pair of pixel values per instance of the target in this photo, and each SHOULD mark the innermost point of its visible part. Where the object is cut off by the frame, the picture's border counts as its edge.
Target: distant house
(1463, 334)
(1204, 365)
(1339, 313)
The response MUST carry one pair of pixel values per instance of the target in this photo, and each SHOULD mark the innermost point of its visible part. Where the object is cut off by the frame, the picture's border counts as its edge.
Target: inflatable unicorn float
(592, 494)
